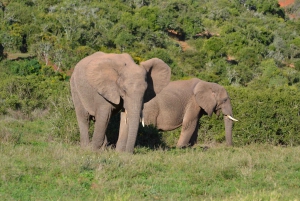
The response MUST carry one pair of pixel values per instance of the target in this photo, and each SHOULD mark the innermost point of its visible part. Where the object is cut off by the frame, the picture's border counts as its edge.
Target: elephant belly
(167, 123)
(166, 111)
(170, 118)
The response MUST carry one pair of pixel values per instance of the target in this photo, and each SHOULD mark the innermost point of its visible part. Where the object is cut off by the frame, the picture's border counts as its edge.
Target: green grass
(35, 166)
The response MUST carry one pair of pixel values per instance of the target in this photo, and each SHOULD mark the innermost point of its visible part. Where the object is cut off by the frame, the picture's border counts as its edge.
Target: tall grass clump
(63, 119)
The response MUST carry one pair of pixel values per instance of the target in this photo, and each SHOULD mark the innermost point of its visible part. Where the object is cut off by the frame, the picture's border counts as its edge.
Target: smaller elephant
(182, 103)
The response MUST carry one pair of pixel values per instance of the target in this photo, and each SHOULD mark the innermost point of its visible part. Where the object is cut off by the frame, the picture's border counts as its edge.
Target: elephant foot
(99, 145)
(84, 144)
(182, 146)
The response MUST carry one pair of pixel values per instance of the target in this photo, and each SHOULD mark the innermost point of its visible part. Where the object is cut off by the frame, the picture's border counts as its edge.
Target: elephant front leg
(123, 133)
(194, 137)
(189, 134)
(190, 125)
(101, 121)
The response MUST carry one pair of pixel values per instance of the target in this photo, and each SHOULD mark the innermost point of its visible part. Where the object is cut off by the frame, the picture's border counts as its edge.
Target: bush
(23, 67)
(161, 54)
(214, 47)
(265, 116)
(297, 65)
(63, 118)
(28, 93)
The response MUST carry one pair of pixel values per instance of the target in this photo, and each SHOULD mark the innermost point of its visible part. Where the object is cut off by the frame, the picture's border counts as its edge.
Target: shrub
(63, 118)
(265, 116)
(28, 93)
(161, 54)
(297, 65)
(214, 47)
(23, 67)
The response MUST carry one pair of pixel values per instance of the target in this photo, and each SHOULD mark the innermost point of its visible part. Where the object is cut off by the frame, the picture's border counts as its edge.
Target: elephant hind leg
(83, 119)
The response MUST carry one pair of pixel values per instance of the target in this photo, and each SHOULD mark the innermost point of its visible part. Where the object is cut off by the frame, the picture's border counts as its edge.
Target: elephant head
(212, 97)
(119, 80)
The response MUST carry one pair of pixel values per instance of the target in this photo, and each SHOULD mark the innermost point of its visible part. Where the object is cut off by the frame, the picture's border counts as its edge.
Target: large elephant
(104, 84)
(182, 103)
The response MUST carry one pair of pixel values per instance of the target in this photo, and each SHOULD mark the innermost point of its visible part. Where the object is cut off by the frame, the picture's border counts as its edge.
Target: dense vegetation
(228, 40)
(251, 47)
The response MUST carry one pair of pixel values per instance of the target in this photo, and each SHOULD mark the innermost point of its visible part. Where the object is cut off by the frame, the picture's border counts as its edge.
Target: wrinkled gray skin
(182, 103)
(104, 84)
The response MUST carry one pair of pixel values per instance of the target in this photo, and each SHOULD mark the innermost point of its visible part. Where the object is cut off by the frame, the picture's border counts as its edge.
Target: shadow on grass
(148, 137)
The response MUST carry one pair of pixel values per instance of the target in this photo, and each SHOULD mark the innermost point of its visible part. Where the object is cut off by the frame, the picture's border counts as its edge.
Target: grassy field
(35, 166)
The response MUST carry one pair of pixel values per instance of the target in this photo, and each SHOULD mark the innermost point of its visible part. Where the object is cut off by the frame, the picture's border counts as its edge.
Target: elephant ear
(102, 75)
(205, 97)
(158, 77)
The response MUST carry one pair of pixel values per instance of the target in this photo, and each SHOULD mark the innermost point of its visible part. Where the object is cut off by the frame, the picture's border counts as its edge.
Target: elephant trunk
(228, 130)
(133, 125)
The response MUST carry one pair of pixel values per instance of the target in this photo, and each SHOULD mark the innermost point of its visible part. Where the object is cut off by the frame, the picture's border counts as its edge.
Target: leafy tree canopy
(244, 33)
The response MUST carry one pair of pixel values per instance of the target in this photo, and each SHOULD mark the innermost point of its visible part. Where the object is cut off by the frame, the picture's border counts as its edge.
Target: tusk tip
(143, 123)
(230, 117)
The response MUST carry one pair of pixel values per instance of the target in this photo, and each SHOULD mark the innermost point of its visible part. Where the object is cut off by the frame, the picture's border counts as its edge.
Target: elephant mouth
(231, 118)
(141, 119)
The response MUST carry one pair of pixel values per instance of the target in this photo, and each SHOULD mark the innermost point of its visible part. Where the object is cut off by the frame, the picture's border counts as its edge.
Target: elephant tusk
(230, 117)
(142, 120)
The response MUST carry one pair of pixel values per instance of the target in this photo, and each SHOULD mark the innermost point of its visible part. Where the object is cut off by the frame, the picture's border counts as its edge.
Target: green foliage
(161, 54)
(251, 45)
(297, 65)
(27, 93)
(57, 30)
(26, 86)
(17, 94)
(265, 116)
(213, 47)
(63, 121)
(123, 40)
(266, 7)
(25, 67)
